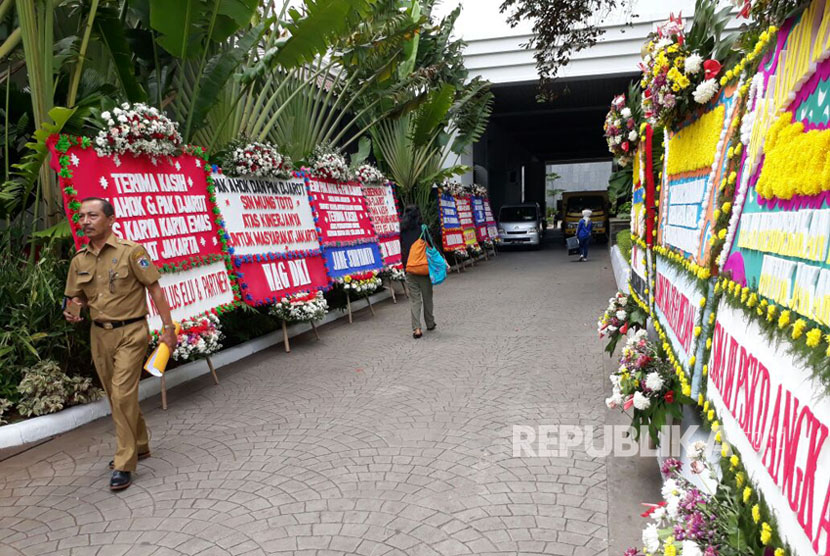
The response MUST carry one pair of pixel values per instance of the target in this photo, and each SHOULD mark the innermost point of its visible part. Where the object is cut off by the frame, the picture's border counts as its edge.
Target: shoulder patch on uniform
(143, 262)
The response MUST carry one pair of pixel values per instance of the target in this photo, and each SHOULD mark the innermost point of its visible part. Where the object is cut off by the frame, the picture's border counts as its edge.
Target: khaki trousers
(119, 357)
(420, 293)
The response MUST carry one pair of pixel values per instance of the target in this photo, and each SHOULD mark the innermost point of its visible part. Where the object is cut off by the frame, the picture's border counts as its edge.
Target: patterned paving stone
(366, 442)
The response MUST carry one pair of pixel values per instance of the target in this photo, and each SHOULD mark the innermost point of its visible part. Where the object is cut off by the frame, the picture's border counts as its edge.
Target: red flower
(669, 396)
(712, 68)
(745, 10)
(624, 328)
(651, 508)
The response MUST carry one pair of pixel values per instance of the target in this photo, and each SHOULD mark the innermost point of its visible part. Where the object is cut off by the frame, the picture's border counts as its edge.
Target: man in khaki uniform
(109, 276)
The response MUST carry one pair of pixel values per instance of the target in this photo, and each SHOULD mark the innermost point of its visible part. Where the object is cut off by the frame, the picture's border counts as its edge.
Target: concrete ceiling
(568, 128)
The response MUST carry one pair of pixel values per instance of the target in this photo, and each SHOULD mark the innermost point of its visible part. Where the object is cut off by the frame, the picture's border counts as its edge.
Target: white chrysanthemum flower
(632, 135)
(626, 112)
(690, 548)
(654, 381)
(622, 315)
(693, 64)
(705, 91)
(641, 401)
(651, 538)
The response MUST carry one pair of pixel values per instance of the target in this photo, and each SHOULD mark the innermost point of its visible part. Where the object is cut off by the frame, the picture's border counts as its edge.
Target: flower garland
(479, 190)
(679, 260)
(461, 253)
(749, 61)
(301, 307)
(640, 302)
(260, 160)
(681, 373)
(198, 338)
(362, 284)
(808, 340)
(621, 130)
(622, 314)
(645, 382)
(138, 129)
(368, 174)
(328, 163)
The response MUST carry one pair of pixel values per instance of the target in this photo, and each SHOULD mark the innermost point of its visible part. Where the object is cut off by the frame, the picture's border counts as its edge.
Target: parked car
(521, 224)
(574, 202)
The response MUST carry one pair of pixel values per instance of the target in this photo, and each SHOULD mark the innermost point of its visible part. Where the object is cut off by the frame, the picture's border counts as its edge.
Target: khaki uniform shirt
(113, 280)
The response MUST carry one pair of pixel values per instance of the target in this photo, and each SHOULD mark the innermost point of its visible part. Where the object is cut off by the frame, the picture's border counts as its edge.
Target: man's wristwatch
(169, 327)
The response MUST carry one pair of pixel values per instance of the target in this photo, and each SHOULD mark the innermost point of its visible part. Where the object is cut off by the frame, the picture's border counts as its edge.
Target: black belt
(117, 323)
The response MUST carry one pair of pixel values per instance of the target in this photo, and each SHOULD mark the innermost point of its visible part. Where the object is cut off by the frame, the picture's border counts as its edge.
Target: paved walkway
(367, 442)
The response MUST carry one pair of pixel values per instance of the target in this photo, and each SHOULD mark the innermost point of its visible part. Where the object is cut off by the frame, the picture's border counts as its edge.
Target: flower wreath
(260, 160)
(302, 307)
(368, 174)
(198, 338)
(327, 162)
(138, 129)
(362, 284)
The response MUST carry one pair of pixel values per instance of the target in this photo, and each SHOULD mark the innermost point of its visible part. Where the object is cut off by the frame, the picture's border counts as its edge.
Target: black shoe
(431, 328)
(145, 455)
(417, 335)
(120, 480)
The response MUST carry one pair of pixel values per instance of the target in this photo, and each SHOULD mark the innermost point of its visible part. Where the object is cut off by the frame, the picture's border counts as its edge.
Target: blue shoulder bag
(435, 260)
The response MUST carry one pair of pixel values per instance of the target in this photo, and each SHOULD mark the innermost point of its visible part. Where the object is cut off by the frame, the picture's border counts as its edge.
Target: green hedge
(624, 243)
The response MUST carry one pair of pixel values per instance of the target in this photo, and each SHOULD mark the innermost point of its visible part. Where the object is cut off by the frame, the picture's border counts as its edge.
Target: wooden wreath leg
(392, 289)
(349, 306)
(285, 337)
(486, 258)
(405, 290)
(212, 371)
(314, 328)
(369, 301)
(163, 393)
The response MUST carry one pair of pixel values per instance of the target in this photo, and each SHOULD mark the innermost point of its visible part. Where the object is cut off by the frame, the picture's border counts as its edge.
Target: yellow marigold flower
(715, 426)
(700, 399)
(731, 286)
(711, 318)
(770, 313)
(708, 343)
(727, 206)
(722, 233)
(738, 148)
(739, 479)
(766, 533)
(732, 178)
(718, 437)
(813, 337)
(747, 494)
(692, 360)
(724, 451)
(764, 303)
(687, 390)
(705, 370)
(706, 406)
(756, 513)
(710, 414)
(752, 301)
(734, 461)
(702, 302)
(670, 550)
(764, 37)
(673, 48)
(827, 353)
(698, 330)
(784, 319)
(780, 552)
(716, 214)
(798, 329)
(717, 287)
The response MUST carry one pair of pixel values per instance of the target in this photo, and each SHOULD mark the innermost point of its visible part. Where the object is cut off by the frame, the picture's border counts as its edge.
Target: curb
(46, 426)
(621, 268)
